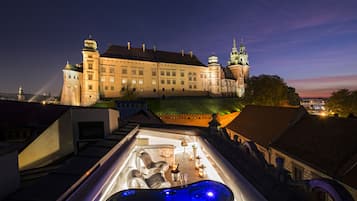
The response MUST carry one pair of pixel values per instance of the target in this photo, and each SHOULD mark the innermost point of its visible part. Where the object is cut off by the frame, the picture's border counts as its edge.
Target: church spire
(234, 43)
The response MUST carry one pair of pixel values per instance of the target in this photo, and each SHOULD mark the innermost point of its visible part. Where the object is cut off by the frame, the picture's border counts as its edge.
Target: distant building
(315, 106)
(312, 148)
(150, 73)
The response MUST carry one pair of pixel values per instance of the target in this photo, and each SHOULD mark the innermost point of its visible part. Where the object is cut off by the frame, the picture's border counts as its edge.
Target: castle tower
(20, 95)
(239, 65)
(214, 75)
(71, 89)
(90, 84)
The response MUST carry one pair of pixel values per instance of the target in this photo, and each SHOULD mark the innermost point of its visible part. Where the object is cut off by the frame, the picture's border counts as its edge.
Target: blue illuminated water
(205, 190)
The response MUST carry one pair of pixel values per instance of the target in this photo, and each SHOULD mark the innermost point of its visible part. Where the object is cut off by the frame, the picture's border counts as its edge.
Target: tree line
(343, 103)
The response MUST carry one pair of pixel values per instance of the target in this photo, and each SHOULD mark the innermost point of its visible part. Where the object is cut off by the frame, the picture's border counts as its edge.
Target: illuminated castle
(150, 73)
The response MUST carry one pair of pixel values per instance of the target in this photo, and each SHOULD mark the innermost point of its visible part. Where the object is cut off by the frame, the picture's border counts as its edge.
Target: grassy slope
(195, 105)
(186, 105)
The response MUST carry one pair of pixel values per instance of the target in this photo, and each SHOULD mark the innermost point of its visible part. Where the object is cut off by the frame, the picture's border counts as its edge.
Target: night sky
(311, 44)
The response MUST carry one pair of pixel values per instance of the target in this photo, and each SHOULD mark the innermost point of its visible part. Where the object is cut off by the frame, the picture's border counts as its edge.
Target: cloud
(323, 86)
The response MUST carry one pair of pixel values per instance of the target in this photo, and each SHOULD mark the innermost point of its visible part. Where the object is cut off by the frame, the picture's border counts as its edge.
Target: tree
(343, 102)
(270, 90)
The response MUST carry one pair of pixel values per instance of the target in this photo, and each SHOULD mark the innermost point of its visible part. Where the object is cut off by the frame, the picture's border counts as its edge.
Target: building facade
(150, 73)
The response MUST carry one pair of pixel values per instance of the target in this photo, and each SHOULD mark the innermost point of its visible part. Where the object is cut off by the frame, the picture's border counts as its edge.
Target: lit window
(123, 81)
(90, 77)
(153, 82)
(141, 72)
(124, 71)
(141, 82)
(102, 79)
(111, 70)
(111, 79)
(90, 66)
(133, 81)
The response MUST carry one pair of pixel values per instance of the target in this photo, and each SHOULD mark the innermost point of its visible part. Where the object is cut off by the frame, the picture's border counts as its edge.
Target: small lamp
(197, 162)
(202, 171)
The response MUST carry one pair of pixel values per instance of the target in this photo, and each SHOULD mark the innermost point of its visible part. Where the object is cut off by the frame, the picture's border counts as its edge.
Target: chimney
(143, 47)
(128, 45)
(182, 53)
(191, 54)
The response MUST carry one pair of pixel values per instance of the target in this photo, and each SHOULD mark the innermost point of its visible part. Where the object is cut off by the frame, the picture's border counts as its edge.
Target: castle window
(162, 81)
(133, 81)
(172, 89)
(190, 79)
(173, 81)
(123, 81)
(154, 90)
(173, 73)
(168, 81)
(190, 86)
(111, 70)
(194, 74)
(102, 69)
(106, 88)
(102, 79)
(90, 87)
(133, 72)
(194, 86)
(69, 76)
(182, 82)
(134, 89)
(153, 82)
(90, 56)
(167, 73)
(182, 74)
(163, 89)
(153, 73)
(298, 172)
(141, 82)
(141, 72)
(90, 66)
(111, 79)
(124, 71)
(112, 88)
(90, 77)
(194, 78)
(162, 73)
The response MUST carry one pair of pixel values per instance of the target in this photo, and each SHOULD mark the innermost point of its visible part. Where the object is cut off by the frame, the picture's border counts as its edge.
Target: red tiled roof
(263, 124)
(329, 145)
(115, 51)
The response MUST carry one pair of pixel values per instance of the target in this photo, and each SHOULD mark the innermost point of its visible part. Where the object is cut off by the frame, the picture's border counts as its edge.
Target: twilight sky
(311, 44)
